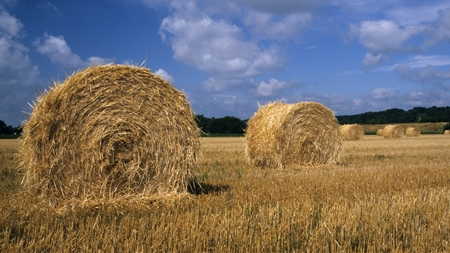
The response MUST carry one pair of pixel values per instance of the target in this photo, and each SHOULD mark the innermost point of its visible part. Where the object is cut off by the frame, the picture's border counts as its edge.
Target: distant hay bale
(447, 132)
(283, 135)
(393, 132)
(412, 132)
(353, 132)
(380, 132)
(109, 132)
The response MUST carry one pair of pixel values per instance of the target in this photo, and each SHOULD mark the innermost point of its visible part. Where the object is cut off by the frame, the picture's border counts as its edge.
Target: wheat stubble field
(384, 196)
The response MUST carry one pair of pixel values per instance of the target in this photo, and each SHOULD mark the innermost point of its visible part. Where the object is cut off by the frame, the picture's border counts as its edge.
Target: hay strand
(393, 132)
(352, 132)
(107, 132)
(284, 135)
(412, 132)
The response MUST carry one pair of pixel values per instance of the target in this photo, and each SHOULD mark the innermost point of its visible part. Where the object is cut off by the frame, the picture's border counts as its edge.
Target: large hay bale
(412, 132)
(393, 132)
(380, 132)
(109, 132)
(283, 135)
(447, 132)
(352, 132)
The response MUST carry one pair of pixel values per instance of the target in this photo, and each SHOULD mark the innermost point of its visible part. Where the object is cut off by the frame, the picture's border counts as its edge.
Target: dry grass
(412, 132)
(352, 132)
(283, 135)
(109, 133)
(383, 196)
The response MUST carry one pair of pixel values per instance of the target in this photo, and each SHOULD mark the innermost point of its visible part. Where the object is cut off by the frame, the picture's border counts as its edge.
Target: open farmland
(384, 196)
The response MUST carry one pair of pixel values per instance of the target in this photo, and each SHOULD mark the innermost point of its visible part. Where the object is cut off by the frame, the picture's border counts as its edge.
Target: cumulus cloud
(417, 13)
(425, 75)
(267, 25)
(216, 46)
(162, 73)
(275, 88)
(383, 37)
(281, 6)
(385, 98)
(17, 74)
(59, 52)
(441, 30)
(383, 93)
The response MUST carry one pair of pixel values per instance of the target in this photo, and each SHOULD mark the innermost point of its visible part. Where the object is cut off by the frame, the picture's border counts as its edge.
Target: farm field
(385, 195)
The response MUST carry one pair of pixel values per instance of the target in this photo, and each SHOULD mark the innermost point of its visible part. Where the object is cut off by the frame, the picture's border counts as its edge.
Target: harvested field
(384, 195)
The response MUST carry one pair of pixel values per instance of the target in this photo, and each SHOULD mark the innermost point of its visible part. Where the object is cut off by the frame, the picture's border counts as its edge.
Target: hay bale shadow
(194, 187)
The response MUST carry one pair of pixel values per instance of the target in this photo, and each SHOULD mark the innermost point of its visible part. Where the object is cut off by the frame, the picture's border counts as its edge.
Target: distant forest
(415, 115)
(230, 125)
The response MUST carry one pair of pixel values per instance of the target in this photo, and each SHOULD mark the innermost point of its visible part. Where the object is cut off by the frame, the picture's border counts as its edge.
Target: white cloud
(59, 52)
(385, 36)
(9, 25)
(216, 46)
(162, 73)
(425, 75)
(17, 74)
(420, 61)
(267, 25)
(442, 30)
(281, 6)
(371, 59)
(224, 83)
(383, 93)
(275, 87)
(416, 33)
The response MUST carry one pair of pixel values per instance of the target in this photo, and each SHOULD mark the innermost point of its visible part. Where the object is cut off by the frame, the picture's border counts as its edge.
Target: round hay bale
(393, 132)
(412, 132)
(353, 132)
(447, 132)
(380, 132)
(283, 135)
(109, 132)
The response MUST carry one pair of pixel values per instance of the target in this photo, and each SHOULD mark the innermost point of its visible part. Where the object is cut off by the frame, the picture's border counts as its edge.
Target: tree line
(9, 130)
(234, 125)
(225, 125)
(392, 116)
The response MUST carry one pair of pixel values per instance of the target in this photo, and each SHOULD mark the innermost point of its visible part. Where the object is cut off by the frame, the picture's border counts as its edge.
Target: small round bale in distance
(108, 132)
(284, 135)
(447, 132)
(380, 132)
(412, 132)
(352, 132)
(393, 132)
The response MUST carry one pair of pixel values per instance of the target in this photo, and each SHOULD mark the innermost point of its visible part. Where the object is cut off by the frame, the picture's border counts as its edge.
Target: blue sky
(230, 56)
